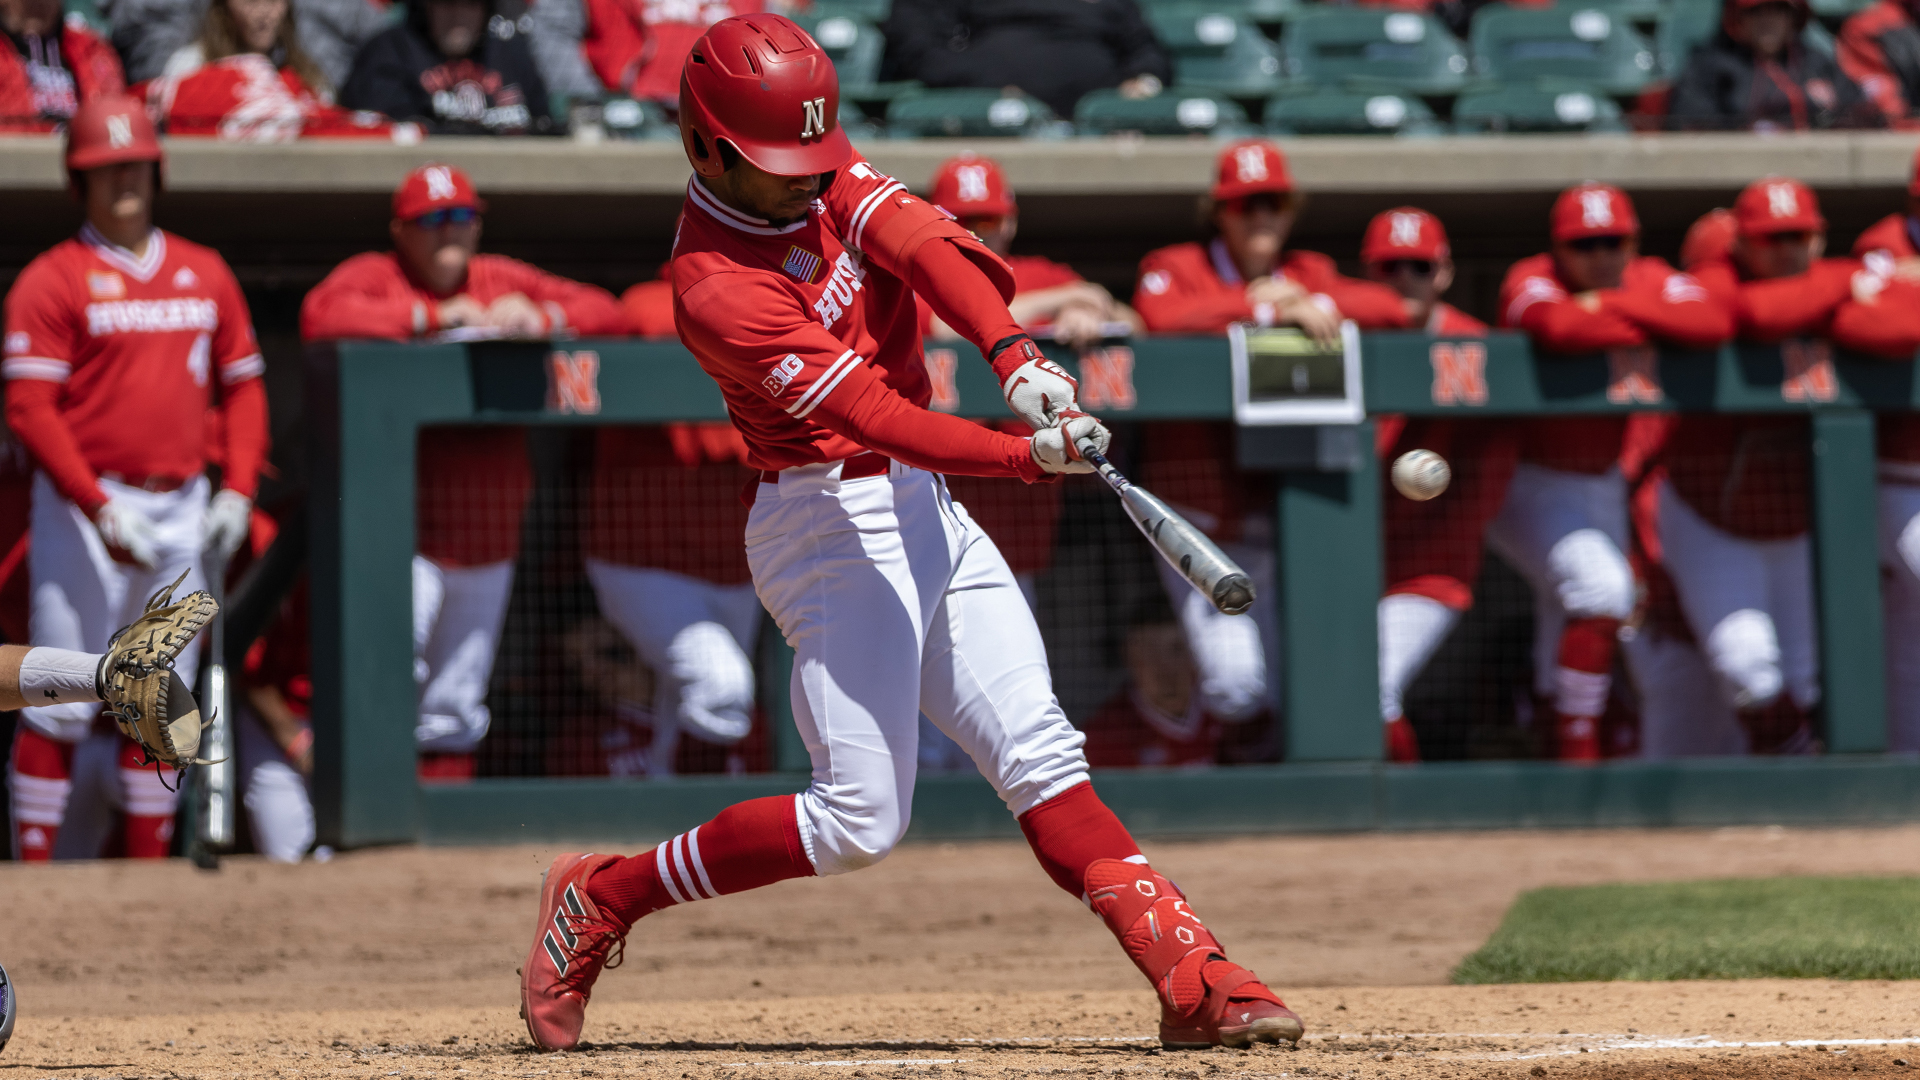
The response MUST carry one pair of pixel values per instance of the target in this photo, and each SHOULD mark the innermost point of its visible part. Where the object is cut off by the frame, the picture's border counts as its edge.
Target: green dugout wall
(367, 401)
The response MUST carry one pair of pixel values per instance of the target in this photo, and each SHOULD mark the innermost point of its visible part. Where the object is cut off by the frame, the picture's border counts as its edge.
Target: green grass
(1797, 928)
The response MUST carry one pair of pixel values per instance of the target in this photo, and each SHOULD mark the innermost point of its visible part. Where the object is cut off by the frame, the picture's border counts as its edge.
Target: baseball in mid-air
(1421, 474)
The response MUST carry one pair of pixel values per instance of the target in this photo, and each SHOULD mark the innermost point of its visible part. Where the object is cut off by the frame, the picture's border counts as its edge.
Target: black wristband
(1004, 344)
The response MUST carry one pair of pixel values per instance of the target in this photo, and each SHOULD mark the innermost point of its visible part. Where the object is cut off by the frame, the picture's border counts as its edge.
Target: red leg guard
(40, 780)
(1072, 830)
(747, 845)
(1206, 999)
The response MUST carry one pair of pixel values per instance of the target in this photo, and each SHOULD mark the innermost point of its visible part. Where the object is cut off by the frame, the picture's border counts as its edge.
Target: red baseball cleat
(1205, 999)
(572, 944)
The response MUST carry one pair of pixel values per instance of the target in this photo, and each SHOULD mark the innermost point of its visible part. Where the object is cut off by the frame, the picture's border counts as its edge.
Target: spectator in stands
(1880, 49)
(1564, 523)
(1244, 273)
(587, 48)
(456, 67)
(50, 65)
(150, 34)
(1158, 719)
(1433, 548)
(248, 79)
(473, 482)
(1055, 50)
(1758, 74)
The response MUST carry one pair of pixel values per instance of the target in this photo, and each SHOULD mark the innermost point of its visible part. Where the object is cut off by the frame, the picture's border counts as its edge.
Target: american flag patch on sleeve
(802, 264)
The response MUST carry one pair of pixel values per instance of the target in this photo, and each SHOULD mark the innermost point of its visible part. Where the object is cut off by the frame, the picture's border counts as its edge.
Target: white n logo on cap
(973, 182)
(439, 183)
(119, 132)
(1782, 200)
(1596, 209)
(1404, 230)
(1250, 164)
(815, 121)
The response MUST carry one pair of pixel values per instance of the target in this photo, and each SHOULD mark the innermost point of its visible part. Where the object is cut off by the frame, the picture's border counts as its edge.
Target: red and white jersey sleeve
(1668, 305)
(1890, 234)
(368, 296)
(1449, 321)
(1801, 305)
(1370, 305)
(1533, 299)
(572, 306)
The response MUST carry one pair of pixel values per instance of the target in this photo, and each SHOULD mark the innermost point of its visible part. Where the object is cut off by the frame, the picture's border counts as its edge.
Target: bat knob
(1233, 594)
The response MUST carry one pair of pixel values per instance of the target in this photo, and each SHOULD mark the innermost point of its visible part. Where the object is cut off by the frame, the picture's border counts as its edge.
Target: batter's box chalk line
(1598, 1042)
(849, 1064)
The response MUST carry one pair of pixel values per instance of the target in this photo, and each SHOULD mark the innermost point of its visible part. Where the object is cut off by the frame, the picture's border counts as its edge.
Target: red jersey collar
(140, 268)
(699, 196)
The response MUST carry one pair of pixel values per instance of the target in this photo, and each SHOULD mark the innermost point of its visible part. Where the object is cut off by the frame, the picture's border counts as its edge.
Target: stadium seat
(873, 11)
(1254, 11)
(1837, 10)
(1583, 42)
(1216, 48)
(1542, 108)
(1402, 50)
(854, 44)
(625, 118)
(970, 113)
(1333, 111)
(1175, 112)
(1687, 24)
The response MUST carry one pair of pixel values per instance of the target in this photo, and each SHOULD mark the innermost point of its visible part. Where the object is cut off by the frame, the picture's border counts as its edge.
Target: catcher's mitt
(137, 681)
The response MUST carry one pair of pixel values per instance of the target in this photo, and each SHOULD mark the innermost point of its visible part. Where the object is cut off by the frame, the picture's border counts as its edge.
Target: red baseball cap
(1775, 204)
(970, 186)
(435, 187)
(1250, 167)
(1710, 238)
(112, 129)
(1404, 232)
(1592, 209)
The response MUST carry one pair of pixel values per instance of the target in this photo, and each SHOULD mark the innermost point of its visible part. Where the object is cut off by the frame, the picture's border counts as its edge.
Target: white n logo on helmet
(1404, 230)
(439, 183)
(1250, 164)
(973, 182)
(815, 121)
(119, 132)
(1596, 209)
(1782, 200)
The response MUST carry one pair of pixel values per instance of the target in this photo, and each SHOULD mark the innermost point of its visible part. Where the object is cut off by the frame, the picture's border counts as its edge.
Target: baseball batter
(1564, 523)
(118, 342)
(794, 271)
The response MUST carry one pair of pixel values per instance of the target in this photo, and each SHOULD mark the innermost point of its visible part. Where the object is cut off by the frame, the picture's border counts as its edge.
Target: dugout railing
(367, 401)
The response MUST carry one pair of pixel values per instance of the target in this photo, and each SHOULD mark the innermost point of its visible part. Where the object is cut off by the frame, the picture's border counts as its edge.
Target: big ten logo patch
(1459, 372)
(1633, 376)
(573, 382)
(1809, 371)
(941, 365)
(1106, 378)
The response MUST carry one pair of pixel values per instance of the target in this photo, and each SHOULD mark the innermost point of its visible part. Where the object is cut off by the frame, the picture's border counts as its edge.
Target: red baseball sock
(748, 845)
(40, 781)
(1581, 683)
(152, 796)
(1072, 830)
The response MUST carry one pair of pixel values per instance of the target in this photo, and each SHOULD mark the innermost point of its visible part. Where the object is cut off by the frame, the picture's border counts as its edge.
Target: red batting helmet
(1404, 232)
(110, 130)
(970, 186)
(762, 84)
(1593, 210)
(1776, 204)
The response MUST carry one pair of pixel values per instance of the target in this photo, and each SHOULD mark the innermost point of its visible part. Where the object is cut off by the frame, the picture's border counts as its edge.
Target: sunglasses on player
(453, 215)
(1794, 237)
(1587, 245)
(1416, 267)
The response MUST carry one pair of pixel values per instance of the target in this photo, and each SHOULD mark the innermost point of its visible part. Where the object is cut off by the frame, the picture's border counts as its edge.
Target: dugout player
(1245, 273)
(1564, 523)
(118, 343)
(473, 481)
(794, 273)
(1433, 548)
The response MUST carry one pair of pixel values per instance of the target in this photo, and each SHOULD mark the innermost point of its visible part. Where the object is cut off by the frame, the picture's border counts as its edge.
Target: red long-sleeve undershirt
(1889, 327)
(868, 411)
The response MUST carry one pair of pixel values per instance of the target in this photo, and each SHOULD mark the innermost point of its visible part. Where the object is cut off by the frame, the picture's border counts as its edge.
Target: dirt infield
(949, 960)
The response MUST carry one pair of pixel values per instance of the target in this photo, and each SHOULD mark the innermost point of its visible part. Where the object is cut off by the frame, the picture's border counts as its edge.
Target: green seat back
(853, 44)
(1216, 48)
(1334, 111)
(1254, 11)
(873, 11)
(1174, 112)
(1537, 109)
(1400, 49)
(968, 113)
(1584, 42)
(1688, 24)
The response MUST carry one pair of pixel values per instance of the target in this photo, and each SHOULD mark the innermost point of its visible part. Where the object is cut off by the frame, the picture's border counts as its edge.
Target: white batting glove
(1056, 449)
(229, 516)
(1039, 390)
(128, 532)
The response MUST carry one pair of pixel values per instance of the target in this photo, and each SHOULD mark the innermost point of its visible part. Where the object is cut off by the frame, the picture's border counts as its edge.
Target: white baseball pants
(1900, 554)
(457, 615)
(1565, 532)
(697, 637)
(895, 602)
(274, 793)
(101, 788)
(1682, 713)
(1411, 628)
(1235, 655)
(1749, 604)
(81, 596)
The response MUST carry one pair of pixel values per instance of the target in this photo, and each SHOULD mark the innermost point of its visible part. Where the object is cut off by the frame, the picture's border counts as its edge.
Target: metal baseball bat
(1186, 548)
(218, 788)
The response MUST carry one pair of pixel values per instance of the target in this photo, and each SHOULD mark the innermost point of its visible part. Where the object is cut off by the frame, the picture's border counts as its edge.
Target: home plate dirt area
(946, 960)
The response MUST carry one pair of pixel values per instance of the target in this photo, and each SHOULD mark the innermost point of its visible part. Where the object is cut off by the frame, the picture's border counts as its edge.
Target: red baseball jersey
(668, 497)
(649, 307)
(638, 46)
(1031, 273)
(1654, 302)
(1196, 289)
(245, 97)
(1448, 321)
(1129, 733)
(1887, 327)
(1893, 234)
(810, 330)
(128, 349)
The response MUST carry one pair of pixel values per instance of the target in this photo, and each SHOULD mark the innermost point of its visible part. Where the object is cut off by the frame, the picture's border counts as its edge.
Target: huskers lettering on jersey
(134, 342)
